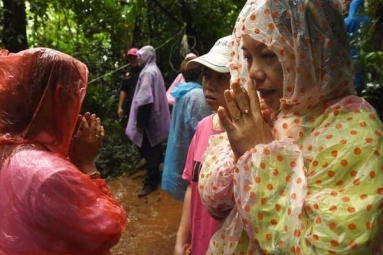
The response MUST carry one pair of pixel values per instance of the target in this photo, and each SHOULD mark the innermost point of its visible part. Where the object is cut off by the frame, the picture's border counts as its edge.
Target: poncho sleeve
(261, 186)
(345, 180)
(322, 197)
(59, 209)
(80, 210)
(216, 177)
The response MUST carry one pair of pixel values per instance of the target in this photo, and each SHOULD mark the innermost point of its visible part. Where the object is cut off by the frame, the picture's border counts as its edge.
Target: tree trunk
(14, 27)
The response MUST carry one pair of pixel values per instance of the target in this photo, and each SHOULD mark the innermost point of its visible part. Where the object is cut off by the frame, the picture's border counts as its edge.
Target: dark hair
(192, 74)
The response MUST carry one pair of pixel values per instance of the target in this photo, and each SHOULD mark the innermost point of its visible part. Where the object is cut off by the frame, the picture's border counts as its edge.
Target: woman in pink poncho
(52, 198)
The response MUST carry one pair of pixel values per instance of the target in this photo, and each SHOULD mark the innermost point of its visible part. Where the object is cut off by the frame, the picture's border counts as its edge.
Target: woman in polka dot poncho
(300, 169)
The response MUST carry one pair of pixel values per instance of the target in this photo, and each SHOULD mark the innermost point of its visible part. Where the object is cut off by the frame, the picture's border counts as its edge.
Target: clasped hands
(86, 142)
(245, 124)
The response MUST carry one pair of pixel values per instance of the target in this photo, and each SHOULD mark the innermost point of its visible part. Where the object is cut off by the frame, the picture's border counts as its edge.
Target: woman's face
(265, 71)
(214, 85)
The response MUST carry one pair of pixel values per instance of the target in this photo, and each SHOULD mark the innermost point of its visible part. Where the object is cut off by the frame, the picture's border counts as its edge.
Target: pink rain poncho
(47, 205)
(317, 188)
(150, 89)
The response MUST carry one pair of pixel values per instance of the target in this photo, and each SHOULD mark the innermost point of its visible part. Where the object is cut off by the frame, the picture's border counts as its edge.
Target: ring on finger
(98, 136)
(246, 111)
(238, 117)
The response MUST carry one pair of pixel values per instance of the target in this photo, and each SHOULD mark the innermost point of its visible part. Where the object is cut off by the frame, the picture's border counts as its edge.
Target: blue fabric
(181, 89)
(354, 21)
(190, 107)
(355, 6)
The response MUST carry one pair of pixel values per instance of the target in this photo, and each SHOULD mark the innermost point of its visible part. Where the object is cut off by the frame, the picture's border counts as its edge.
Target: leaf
(109, 4)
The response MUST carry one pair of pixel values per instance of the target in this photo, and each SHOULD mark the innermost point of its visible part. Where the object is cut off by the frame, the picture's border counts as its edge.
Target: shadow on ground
(152, 220)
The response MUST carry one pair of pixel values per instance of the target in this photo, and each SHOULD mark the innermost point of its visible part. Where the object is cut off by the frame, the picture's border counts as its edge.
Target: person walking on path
(149, 120)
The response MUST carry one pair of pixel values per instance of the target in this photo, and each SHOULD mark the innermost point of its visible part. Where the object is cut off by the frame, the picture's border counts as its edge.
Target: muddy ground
(152, 220)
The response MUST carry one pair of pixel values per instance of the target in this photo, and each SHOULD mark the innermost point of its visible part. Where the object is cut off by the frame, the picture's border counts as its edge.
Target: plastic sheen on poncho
(48, 206)
(35, 90)
(318, 187)
(189, 109)
(150, 89)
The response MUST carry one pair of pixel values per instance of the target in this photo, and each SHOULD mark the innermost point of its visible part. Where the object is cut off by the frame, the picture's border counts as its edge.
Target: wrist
(182, 237)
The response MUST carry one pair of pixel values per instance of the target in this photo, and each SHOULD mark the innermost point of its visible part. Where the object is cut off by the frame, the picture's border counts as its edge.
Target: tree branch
(167, 13)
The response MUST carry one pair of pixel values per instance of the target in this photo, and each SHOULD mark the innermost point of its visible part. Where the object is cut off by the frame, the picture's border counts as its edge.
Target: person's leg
(153, 163)
(153, 156)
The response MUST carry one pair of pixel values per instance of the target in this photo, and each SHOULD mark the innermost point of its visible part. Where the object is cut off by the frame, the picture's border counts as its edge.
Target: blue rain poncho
(189, 108)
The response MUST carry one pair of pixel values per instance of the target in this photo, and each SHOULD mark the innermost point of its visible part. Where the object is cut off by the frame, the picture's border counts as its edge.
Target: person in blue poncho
(189, 108)
(355, 18)
(354, 21)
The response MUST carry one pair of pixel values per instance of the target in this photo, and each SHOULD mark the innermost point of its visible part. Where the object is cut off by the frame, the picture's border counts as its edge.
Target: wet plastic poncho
(47, 205)
(190, 107)
(318, 187)
(178, 80)
(150, 89)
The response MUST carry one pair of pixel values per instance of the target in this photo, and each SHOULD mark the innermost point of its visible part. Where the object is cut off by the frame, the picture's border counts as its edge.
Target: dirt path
(152, 220)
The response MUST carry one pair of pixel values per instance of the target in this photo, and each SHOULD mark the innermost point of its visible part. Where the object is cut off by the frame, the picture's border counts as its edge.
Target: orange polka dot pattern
(318, 187)
(320, 191)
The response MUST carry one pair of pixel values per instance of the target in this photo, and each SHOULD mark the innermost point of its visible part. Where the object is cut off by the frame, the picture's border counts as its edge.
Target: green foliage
(1, 27)
(369, 43)
(118, 154)
(374, 8)
(98, 32)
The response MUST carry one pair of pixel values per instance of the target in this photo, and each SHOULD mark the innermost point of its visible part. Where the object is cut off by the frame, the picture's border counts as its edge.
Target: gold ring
(98, 136)
(246, 111)
(237, 118)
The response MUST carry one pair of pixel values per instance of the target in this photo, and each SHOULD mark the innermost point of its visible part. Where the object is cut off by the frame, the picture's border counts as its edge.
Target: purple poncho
(150, 89)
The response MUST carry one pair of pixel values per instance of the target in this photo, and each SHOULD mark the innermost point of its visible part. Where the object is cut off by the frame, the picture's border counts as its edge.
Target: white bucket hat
(216, 59)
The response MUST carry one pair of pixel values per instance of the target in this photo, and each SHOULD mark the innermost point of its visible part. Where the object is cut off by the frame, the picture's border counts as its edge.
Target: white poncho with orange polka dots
(318, 187)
